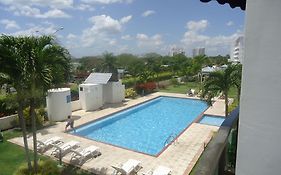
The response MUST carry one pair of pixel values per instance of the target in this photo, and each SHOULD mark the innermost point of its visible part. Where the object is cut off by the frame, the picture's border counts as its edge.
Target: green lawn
(12, 156)
(182, 88)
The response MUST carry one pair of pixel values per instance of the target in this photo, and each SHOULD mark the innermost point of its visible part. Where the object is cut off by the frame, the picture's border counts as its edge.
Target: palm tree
(110, 65)
(48, 65)
(237, 77)
(33, 64)
(219, 82)
(12, 72)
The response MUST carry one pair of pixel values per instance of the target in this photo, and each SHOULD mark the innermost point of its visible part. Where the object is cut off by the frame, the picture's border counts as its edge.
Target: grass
(182, 88)
(12, 156)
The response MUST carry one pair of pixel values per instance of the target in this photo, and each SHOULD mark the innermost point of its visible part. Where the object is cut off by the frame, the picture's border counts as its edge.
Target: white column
(259, 139)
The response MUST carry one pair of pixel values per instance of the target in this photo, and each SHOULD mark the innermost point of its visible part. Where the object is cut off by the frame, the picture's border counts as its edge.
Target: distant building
(176, 51)
(198, 51)
(237, 50)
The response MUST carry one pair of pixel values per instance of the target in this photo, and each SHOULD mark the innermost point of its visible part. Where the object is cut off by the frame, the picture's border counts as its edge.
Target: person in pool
(69, 122)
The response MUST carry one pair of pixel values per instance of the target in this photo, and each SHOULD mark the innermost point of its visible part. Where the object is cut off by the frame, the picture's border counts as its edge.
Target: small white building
(58, 104)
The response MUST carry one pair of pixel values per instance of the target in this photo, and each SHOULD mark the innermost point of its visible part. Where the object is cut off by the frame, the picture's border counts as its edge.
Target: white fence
(76, 105)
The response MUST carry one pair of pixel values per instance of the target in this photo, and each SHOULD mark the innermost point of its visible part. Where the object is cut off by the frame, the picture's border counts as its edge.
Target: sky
(91, 27)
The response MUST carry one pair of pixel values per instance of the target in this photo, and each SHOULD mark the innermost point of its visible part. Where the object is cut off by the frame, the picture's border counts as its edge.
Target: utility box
(113, 92)
(58, 104)
(91, 96)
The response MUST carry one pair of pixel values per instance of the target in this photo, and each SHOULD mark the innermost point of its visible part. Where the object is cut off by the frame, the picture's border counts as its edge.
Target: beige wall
(259, 139)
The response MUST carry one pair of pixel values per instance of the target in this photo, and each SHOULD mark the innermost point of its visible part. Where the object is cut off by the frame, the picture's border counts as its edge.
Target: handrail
(209, 161)
(171, 136)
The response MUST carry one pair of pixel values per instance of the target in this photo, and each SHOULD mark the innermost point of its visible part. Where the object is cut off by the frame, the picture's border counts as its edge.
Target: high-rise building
(176, 51)
(237, 50)
(198, 51)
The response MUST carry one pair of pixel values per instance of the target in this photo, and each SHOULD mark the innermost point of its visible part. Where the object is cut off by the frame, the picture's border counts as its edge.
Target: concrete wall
(7, 122)
(76, 105)
(259, 139)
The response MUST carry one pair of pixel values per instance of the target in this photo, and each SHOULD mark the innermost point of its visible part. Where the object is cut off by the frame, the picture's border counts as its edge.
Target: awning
(232, 3)
(98, 78)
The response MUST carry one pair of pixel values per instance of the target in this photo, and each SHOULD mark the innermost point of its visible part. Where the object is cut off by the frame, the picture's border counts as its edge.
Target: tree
(219, 82)
(110, 65)
(47, 66)
(236, 78)
(34, 64)
(12, 72)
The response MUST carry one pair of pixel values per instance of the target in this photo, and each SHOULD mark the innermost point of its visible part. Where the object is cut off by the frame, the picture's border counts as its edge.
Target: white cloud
(10, 24)
(197, 25)
(71, 36)
(126, 37)
(43, 29)
(36, 13)
(102, 29)
(193, 38)
(126, 19)
(230, 23)
(149, 42)
(83, 7)
(148, 13)
(58, 4)
(107, 1)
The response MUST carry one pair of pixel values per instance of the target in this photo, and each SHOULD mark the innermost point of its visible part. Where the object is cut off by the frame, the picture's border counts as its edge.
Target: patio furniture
(63, 149)
(131, 166)
(160, 170)
(42, 145)
(81, 155)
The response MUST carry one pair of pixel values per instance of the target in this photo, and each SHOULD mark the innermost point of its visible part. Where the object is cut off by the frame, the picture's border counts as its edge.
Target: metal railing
(170, 139)
(213, 159)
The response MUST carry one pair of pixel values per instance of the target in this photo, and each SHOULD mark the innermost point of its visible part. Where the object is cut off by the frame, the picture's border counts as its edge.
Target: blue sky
(91, 27)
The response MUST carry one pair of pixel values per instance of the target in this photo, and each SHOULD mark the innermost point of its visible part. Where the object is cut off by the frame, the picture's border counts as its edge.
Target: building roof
(98, 78)
(232, 3)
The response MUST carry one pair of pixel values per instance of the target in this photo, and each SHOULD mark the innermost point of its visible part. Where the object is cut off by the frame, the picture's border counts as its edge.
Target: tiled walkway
(180, 157)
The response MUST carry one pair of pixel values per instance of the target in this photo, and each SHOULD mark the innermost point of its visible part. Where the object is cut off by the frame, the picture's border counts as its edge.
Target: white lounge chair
(160, 170)
(63, 149)
(42, 145)
(89, 151)
(128, 167)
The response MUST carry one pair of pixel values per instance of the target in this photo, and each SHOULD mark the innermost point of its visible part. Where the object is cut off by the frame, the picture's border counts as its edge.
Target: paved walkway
(180, 157)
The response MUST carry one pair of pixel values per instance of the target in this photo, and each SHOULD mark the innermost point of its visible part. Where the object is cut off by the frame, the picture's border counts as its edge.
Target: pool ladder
(172, 137)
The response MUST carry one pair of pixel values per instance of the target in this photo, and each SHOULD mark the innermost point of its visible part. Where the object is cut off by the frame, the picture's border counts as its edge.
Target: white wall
(7, 122)
(259, 139)
(76, 105)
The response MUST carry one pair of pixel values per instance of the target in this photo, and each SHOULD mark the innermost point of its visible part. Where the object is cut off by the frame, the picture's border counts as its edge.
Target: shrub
(40, 116)
(130, 93)
(74, 91)
(146, 87)
(8, 105)
(174, 81)
(46, 167)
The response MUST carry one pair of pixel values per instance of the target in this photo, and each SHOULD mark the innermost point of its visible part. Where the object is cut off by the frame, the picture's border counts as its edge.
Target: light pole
(61, 28)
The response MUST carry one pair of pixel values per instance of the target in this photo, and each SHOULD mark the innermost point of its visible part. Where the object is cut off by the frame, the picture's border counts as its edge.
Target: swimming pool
(212, 120)
(145, 127)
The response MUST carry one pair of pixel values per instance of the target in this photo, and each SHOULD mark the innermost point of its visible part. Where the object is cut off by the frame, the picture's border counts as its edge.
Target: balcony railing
(214, 159)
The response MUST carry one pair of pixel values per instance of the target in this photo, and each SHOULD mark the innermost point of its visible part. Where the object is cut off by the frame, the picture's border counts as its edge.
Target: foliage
(110, 65)
(220, 82)
(182, 88)
(174, 81)
(146, 87)
(130, 82)
(45, 167)
(40, 116)
(130, 93)
(8, 105)
(74, 91)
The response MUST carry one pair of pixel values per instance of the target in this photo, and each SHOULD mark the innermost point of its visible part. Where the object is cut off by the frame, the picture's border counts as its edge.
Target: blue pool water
(145, 128)
(212, 120)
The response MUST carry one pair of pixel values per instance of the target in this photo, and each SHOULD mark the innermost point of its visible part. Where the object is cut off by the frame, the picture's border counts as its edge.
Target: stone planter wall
(8, 122)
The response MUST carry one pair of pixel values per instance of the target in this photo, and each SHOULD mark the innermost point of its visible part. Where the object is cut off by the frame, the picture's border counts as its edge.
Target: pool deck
(180, 156)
